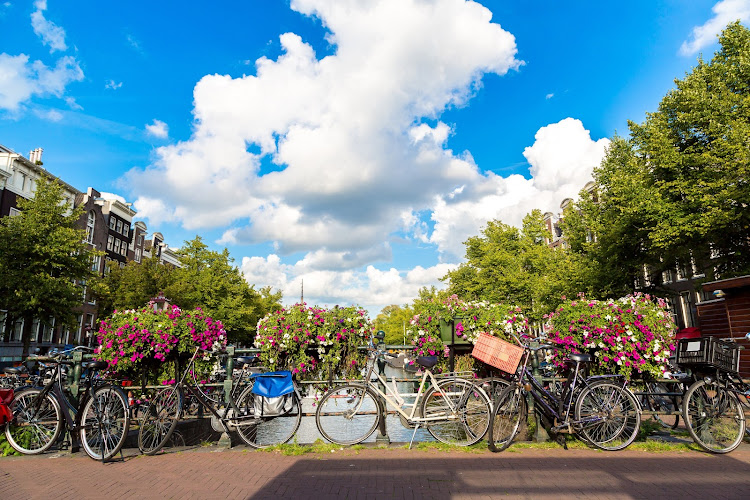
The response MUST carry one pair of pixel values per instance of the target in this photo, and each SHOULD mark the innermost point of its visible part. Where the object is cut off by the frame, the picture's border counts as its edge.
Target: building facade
(109, 228)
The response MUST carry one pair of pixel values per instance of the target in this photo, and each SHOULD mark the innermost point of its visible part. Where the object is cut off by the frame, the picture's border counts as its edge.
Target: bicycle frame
(398, 406)
(547, 401)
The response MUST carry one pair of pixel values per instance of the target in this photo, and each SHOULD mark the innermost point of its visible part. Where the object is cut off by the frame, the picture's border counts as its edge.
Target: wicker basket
(498, 353)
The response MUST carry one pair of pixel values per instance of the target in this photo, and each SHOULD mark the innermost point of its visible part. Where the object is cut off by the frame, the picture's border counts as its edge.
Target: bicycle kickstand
(416, 427)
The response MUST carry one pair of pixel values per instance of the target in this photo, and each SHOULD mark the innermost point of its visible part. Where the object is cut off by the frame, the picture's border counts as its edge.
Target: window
(117, 245)
(140, 240)
(90, 227)
(95, 263)
(14, 211)
(666, 276)
(124, 248)
(83, 285)
(137, 254)
(683, 271)
(89, 325)
(126, 229)
(119, 226)
(110, 242)
(80, 328)
(48, 329)
(112, 222)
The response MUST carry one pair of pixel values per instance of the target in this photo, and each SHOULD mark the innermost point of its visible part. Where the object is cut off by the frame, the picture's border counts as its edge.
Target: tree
(394, 321)
(43, 260)
(207, 279)
(516, 267)
(676, 192)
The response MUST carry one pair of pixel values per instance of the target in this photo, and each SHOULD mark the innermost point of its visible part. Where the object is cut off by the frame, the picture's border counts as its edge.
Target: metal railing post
(540, 433)
(382, 437)
(77, 371)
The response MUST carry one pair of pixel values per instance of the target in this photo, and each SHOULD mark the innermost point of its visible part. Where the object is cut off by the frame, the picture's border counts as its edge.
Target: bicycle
(258, 422)
(713, 406)
(454, 410)
(99, 419)
(605, 413)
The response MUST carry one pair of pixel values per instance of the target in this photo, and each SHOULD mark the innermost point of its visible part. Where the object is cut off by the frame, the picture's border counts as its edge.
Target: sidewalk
(398, 473)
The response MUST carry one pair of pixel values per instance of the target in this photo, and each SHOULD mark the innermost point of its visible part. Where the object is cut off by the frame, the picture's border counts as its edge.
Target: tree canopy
(43, 260)
(516, 266)
(676, 192)
(207, 279)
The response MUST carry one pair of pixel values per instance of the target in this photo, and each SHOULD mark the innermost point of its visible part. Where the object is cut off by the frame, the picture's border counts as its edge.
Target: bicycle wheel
(159, 420)
(348, 414)
(33, 430)
(494, 386)
(262, 432)
(714, 417)
(665, 405)
(105, 421)
(608, 415)
(509, 410)
(458, 412)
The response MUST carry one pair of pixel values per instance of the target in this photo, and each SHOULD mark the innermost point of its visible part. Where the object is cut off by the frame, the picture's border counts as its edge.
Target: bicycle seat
(247, 360)
(580, 358)
(94, 365)
(426, 361)
(14, 370)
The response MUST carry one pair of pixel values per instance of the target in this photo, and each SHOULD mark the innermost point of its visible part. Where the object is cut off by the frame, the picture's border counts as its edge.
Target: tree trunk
(28, 321)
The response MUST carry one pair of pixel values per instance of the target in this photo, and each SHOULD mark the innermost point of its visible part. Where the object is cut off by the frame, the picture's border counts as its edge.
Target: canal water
(308, 431)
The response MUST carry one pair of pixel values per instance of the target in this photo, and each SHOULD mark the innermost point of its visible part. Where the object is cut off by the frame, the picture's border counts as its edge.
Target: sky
(350, 145)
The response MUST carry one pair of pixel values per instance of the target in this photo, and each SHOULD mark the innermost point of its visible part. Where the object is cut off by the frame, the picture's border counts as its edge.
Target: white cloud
(349, 129)
(562, 160)
(549, 96)
(51, 115)
(371, 288)
(49, 32)
(20, 80)
(112, 85)
(154, 210)
(72, 104)
(113, 196)
(158, 129)
(725, 12)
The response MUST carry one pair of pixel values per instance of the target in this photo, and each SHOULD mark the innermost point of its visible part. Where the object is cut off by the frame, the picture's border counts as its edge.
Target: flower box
(447, 332)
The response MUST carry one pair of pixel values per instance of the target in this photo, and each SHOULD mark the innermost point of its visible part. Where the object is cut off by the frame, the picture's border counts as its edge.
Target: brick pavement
(382, 473)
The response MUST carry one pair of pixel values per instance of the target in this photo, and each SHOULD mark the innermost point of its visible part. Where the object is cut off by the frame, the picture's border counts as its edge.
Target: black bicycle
(98, 418)
(259, 421)
(600, 409)
(713, 406)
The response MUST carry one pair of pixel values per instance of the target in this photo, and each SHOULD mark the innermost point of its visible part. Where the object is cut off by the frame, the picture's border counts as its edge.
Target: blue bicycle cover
(273, 384)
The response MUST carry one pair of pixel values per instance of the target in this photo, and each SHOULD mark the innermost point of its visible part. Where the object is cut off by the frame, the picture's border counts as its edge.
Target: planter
(447, 332)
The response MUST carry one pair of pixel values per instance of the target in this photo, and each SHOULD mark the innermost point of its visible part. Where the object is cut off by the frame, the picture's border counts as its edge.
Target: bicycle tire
(467, 422)
(622, 417)
(105, 421)
(494, 386)
(348, 414)
(33, 432)
(509, 410)
(713, 416)
(160, 419)
(262, 432)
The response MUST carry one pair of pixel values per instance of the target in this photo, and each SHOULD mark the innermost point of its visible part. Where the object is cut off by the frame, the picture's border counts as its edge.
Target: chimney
(35, 155)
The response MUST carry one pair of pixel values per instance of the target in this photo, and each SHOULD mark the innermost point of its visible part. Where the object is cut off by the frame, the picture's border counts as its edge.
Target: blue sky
(353, 144)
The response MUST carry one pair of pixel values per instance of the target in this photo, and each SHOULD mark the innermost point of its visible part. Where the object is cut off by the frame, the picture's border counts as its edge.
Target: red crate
(497, 352)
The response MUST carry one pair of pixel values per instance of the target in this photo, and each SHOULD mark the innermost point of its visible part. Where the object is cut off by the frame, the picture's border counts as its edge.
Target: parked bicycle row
(265, 409)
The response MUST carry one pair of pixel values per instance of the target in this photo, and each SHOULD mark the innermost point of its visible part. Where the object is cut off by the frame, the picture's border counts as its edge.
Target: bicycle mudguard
(6, 397)
(273, 384)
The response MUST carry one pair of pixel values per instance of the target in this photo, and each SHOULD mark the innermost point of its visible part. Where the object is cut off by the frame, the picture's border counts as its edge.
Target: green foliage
(393, 320)
(43, 259)
(140, 342)
(207, 279)
(314, 342)
(677, 190)
(508, 265)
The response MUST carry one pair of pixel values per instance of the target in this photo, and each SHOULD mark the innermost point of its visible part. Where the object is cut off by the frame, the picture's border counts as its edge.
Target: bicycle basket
(709, 351)
(498, 353)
